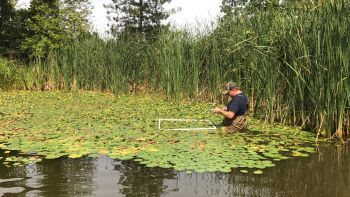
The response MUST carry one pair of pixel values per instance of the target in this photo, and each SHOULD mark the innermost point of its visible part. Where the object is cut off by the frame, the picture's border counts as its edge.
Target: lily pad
(93, 124)
(258, 172)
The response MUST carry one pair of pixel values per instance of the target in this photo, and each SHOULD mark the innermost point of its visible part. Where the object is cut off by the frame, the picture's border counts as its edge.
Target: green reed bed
(292, 61)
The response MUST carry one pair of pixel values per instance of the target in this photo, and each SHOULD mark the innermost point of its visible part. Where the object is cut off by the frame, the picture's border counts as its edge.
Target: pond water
(324, 173)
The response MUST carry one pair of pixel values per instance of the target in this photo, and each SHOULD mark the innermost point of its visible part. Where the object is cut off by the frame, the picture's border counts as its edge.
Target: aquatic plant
(50, 125)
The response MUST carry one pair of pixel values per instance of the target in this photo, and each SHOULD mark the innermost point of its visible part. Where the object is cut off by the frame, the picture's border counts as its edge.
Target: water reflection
(105, 178)
(65, 177)
(325, 173)
(139, 180)
(11, 190)
(59, 177)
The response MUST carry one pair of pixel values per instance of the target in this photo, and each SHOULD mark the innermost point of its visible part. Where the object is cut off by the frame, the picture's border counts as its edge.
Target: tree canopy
(6, 12)
(136, 16)
(52, 23)
(8, 23)
(44, 26)
(229, 7)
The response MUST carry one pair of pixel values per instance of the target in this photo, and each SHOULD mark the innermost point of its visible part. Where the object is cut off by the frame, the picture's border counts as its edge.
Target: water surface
(324, 173)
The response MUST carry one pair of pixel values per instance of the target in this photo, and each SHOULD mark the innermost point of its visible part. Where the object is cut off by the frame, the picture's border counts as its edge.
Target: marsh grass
(292, 61)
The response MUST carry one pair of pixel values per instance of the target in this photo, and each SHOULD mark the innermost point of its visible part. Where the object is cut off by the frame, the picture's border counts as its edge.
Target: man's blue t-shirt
(238, 104)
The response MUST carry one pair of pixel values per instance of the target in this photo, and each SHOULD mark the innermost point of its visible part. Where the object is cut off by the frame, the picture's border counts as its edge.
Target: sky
(193, 13)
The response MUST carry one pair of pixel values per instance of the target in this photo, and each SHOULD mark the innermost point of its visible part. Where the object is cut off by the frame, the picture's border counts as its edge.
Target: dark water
(325, 173)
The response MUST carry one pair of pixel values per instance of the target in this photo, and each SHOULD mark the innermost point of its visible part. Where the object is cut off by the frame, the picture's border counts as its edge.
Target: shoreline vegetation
(292, 62)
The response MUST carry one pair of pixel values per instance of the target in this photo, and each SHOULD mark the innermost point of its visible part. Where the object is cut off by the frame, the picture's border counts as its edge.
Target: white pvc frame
(187, 120)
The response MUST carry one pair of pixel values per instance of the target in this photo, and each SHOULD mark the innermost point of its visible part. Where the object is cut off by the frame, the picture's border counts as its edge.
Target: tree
(12, 26)
(44, 27)
(52, 23)
(229, 7)
(74, 17)
(136, 16)
(6, 12)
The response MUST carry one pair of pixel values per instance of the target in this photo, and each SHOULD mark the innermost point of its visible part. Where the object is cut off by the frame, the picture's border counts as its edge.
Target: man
(235, 112)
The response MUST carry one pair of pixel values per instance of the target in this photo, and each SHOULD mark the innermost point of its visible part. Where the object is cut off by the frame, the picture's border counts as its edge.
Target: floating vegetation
(20, 161)
(258, 172)
(244, 171)
(75, 124)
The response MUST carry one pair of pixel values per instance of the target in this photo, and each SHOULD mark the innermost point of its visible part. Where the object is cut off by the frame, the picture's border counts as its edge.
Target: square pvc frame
(186, 120)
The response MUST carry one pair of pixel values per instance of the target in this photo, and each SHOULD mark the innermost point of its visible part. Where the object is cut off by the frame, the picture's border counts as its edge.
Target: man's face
(233, 92)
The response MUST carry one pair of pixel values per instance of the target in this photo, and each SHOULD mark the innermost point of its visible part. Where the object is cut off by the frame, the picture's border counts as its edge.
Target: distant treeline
(292, 61)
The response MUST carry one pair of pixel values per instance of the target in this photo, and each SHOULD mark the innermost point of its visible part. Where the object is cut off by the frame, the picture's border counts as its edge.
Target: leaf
(258, 172)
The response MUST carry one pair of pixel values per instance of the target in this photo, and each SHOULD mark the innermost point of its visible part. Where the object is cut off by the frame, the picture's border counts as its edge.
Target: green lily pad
(258, 172)
(93, 124)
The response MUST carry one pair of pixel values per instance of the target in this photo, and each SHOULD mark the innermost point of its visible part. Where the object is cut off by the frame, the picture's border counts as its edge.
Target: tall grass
(292, 61)
(10, 75)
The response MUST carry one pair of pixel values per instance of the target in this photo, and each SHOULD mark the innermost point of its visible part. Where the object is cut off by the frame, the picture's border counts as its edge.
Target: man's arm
(226, 114)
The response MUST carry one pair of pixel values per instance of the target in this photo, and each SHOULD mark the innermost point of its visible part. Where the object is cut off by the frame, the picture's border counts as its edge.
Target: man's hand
(216, 110)
(226, 114)
(224, 108)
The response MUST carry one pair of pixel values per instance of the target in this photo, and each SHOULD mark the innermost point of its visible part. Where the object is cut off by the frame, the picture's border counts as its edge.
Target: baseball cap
(229, 86)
